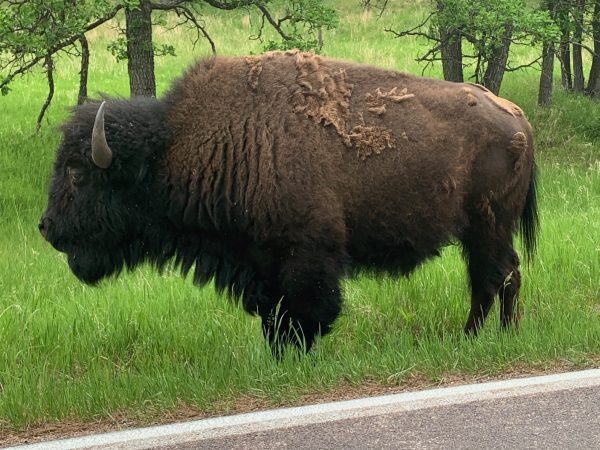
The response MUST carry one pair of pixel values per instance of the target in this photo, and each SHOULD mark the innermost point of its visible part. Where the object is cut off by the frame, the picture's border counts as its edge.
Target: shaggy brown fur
(279, 171)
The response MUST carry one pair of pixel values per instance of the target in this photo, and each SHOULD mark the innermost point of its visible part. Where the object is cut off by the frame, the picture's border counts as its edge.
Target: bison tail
(529, 218)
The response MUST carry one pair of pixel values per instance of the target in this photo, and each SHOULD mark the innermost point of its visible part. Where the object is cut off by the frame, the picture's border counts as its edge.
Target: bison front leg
(282, 329)
(308, 303)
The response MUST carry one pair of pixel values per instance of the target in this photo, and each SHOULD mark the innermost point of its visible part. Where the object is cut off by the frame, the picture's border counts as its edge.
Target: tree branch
(381, 5)
(189, 16)
(83, 74)
(258, 37)
(52, 50)
(231, 5)
(166, 5)
(523, 66)
(50, 75)
(382, 9)
(270, 19)
(414, 32)
(582, 45)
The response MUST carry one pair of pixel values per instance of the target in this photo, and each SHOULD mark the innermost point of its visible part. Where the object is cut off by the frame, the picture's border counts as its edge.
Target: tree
(450, 39)
(34, 33)
(489, 26)
(579, 21)
(298, 27)
(593, 88)
(83, 72)
(548, 50)
(495, 59)
(560, 10)
(140, 51)
(578, 15)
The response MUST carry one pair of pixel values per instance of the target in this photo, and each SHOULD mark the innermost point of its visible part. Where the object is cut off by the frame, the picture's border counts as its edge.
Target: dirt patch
(248, 403)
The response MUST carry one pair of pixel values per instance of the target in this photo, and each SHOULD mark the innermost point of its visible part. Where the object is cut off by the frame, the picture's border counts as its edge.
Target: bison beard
(275, 175)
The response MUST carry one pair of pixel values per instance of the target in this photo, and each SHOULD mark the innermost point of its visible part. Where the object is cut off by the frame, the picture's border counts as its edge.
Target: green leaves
(300, 24)
(33, 28)
(482, 21)
(118, 48)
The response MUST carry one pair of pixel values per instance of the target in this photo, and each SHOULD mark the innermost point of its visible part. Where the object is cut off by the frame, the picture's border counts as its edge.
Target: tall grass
(147, 343)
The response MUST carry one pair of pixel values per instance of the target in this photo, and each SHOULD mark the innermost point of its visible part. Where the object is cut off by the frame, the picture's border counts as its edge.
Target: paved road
(567, 419)
(549, 412)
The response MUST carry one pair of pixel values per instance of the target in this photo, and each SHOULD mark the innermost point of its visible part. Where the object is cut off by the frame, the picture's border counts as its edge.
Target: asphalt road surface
(549, 412)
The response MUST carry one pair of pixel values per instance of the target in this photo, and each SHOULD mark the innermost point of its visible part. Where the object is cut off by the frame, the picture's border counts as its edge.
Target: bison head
(103, 198)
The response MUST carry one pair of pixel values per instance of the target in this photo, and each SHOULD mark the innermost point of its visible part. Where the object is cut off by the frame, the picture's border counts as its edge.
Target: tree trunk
(565, 60)
(319, 39)
(451, 49)
(140, 53)
(83, 73)
(578, 78)
(545, 92)
(594, 79)
(496, 66)
(560, 11)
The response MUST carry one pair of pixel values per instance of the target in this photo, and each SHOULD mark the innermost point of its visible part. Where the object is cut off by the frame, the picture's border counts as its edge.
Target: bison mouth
(58, 243)
(92, 266)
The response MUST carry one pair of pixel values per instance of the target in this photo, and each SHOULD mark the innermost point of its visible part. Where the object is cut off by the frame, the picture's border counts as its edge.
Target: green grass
(145, 343)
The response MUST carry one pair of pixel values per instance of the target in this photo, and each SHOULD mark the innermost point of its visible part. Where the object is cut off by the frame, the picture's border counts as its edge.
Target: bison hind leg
(493, 267)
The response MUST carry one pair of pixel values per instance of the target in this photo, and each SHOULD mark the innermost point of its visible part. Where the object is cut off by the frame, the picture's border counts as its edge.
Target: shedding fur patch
(505, 105)
(471, 99)
(324, 95)
(376, 101)
(518, 147)
(369, 140)
(254, 70)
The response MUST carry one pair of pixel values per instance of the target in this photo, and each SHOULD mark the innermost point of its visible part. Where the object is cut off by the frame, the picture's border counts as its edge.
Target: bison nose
(43, 226)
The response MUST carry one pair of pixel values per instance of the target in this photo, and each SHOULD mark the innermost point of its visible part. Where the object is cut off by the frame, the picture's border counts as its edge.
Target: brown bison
(276, 174)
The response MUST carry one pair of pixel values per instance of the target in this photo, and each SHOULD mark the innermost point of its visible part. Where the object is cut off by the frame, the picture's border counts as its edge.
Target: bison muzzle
(277, 174)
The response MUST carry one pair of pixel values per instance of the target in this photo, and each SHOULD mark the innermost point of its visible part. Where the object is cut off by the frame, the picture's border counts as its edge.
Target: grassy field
(145, 345)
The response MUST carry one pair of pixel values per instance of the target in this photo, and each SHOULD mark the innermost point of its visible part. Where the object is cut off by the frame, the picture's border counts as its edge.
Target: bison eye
(76, 175)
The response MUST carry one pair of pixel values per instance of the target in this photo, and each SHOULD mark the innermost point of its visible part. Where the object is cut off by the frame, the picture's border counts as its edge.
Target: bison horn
(101, 152)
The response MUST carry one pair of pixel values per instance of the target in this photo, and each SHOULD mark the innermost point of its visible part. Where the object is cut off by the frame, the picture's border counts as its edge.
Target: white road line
(287, 417)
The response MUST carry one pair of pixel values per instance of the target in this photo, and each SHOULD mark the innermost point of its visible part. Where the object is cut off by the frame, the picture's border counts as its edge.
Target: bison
(276, 175)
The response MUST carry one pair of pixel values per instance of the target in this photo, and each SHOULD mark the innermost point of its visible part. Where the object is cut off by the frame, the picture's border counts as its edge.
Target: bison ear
(101, 152)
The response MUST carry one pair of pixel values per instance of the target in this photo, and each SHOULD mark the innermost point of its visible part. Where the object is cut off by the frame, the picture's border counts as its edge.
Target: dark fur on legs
(308, 303)
(493, 270)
